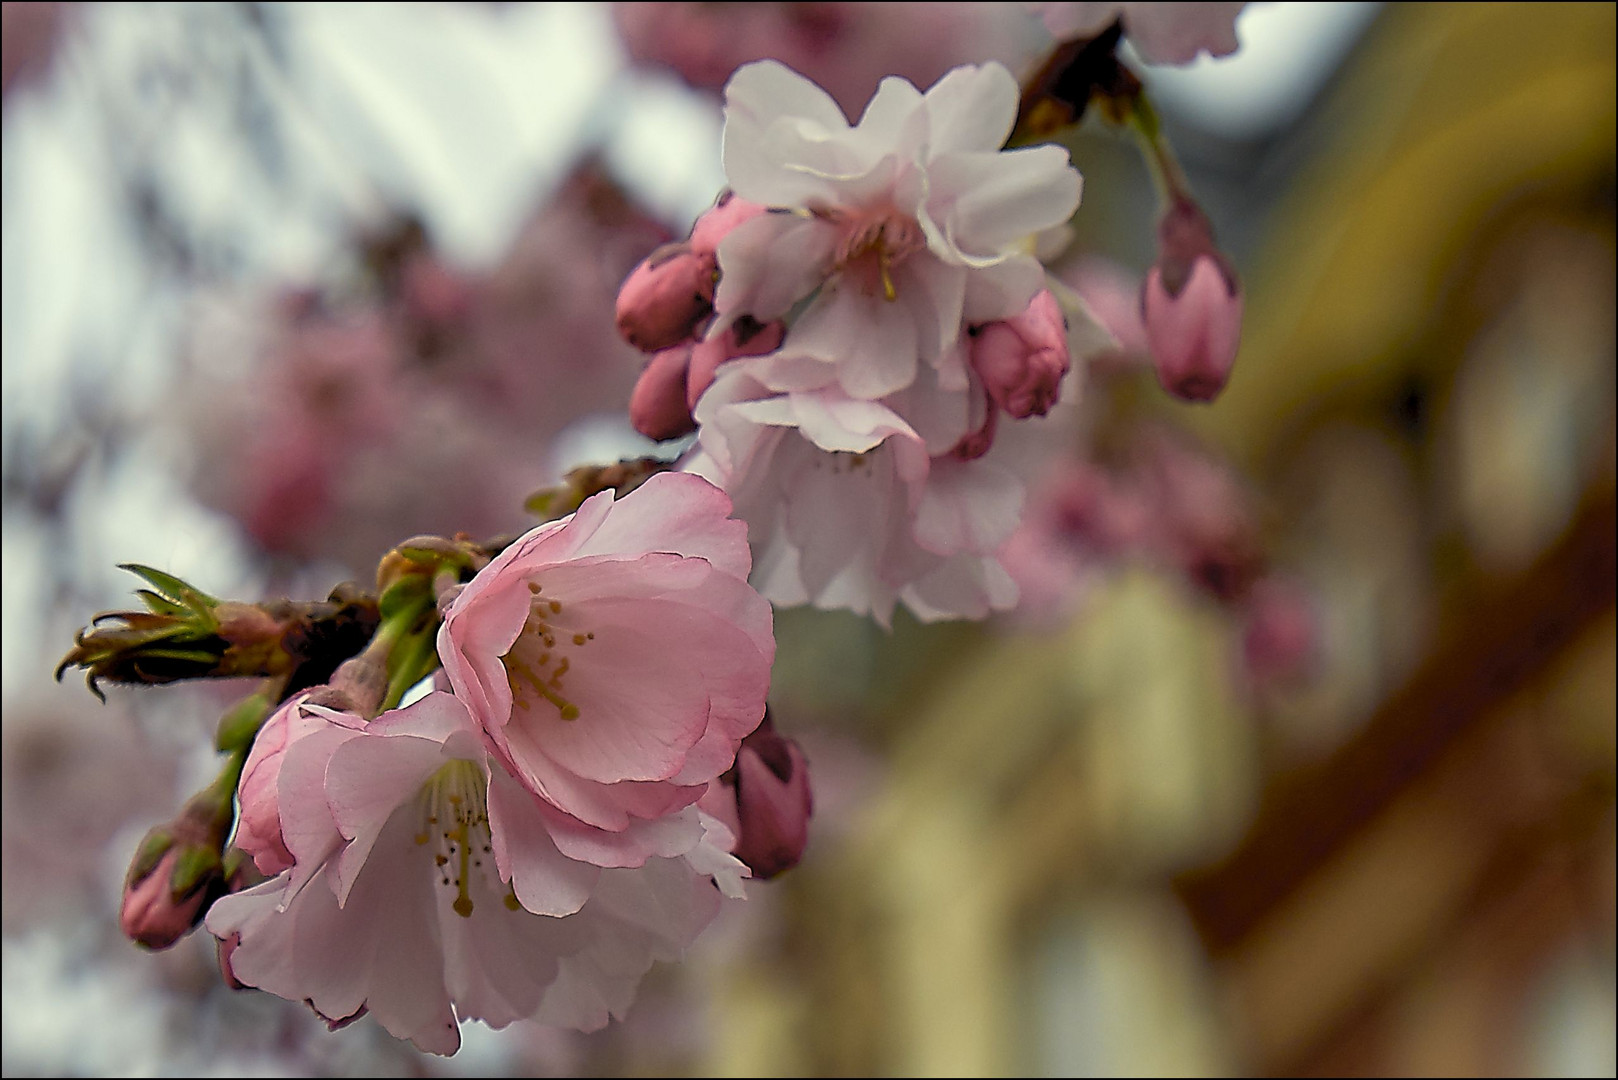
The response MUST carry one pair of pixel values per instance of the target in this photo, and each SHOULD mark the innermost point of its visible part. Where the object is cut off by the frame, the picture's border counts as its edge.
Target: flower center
(455, 823)
(538, 661)
(874, 242)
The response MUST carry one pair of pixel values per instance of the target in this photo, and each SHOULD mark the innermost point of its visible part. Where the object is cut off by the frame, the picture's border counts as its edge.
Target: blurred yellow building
(1089, 855)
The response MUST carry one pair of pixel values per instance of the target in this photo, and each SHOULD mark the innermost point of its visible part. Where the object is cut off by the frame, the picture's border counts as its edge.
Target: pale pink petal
(968, 506)
(972, 109)
(545, 881)
(984, 202)
(366, 781)
(678, 513)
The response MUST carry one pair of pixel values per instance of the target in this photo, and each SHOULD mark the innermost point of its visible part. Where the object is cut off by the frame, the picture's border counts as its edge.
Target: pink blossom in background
(75, 773)
(615, 659)
(1205, 522)
(1163, 33)
(878, 304)
(31, 34)
(1281, 638)
(848, 48)
(362, 414)
(428, 889)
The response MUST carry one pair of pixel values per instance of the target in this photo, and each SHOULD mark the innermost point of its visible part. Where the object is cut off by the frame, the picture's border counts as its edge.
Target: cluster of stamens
(876, 240)
(536, 666)
(455, 819)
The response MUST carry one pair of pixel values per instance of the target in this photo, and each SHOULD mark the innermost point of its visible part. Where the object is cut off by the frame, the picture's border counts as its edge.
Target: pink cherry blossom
(1162, 33)
(899, 230)
(615, 659)
(428, 888)
(852, 507)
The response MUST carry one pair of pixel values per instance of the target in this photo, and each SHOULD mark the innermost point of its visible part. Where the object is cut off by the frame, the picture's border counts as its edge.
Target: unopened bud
(1191, 303)
(716, 223)
(176, 873)
(744, 337)
(657, 405)
(1022, 359)
(665, 297)
(773, 802)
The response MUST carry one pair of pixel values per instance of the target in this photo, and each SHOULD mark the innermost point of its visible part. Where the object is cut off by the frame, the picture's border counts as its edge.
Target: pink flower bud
(152, 915)
(657, 405)
(665, 297)
(1022, 359)
(177, 871)
(1193, 336)
(745, 337)
(773, 802)
(1191, 303)
(715, 224)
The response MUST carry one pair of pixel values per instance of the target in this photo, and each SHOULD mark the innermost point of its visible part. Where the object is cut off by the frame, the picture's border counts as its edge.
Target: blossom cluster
(527, 842)
(846, 326)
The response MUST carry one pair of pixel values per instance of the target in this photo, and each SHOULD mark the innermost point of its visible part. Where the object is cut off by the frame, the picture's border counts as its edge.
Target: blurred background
(1298, 757)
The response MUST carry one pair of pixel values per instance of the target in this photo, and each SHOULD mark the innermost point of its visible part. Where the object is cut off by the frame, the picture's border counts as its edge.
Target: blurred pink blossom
(1163, 33)
(845, 47)
(353, 422)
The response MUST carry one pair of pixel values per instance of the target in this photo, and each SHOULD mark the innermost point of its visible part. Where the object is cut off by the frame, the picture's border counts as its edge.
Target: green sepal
(192, 870)
(238, 727)
(152, 848)
(161, 605)
(173, 589)
(404, 597)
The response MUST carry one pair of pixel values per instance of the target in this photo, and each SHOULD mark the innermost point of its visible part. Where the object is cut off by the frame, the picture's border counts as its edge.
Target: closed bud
(666, 297)
(657, 405)
(773, 802)
(1022, 360)
(1191, 303)
(177, 871)
(716, 223)
(745, 337)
